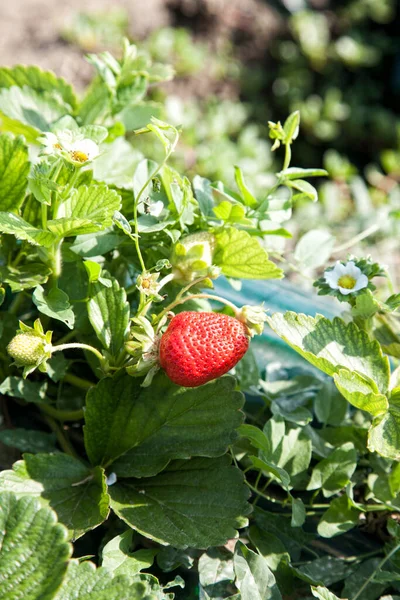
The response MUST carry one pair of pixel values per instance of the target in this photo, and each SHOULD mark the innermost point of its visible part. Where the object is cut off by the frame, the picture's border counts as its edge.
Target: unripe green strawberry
(26, 349)
(200, 346)
(192, 257)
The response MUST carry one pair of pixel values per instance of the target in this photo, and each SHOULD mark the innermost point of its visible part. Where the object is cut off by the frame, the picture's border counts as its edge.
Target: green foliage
(33, 549)
(104, 239)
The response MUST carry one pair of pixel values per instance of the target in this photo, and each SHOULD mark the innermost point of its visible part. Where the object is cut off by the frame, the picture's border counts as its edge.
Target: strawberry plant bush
(144, 455)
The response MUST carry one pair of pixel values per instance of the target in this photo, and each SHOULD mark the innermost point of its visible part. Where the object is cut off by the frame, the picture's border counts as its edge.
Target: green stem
(178, 301)
(78, 382)
(62, 439)
(62, 347)
(136, 202)
(378, 568)
(62, 415)
(44, 215)
(288, 156)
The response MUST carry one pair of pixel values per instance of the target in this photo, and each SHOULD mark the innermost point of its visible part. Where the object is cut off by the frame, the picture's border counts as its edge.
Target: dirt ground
(30, 30)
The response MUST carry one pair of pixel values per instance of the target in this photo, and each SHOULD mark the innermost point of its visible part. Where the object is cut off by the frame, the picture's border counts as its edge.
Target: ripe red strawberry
(200, 346)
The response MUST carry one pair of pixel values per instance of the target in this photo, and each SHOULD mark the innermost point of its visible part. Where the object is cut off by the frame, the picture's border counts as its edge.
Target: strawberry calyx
(253, 317)
(143, 347)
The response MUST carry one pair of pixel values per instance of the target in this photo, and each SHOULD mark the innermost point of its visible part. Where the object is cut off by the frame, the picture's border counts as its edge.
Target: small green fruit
(192, 257)
(26, 349)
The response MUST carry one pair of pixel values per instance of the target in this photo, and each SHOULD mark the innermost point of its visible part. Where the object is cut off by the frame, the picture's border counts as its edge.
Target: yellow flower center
(347, 282)
(79, 156)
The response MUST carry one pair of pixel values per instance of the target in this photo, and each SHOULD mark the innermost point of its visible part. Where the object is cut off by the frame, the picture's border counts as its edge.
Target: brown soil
(30, 30)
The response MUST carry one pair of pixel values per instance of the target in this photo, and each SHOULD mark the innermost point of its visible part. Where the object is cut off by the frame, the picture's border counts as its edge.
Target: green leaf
(334, 473)
(24, 111)
(96, 203)
(323, 594)
(108, 312)
(14, 169)
(297, 172)
(359, 577)
(270, 547)
(327, 570)
(68, 226)
(216, 572)
(341, 516)
(33, 550)
(230, 213)
(254, 579)
(332, 345)
(203, 192)
(329, 405)
(365, 305)
(55, 305)
(198, 503)
(360, 392)
(304, 187)
(384, 433)
(291, 127)
(30, 391)
(118, 558)
(24, 277)
(268, 467)
(117, 164)
(136, 116)
(247, 196)
(156, 424)
(40, 81)
(95, 244)
(290, 449)
(240, 255)
(28, 440)
(314, 248)
(298, 512)
(293, 539)
(85, 582)
(76, 493)
(14, 225)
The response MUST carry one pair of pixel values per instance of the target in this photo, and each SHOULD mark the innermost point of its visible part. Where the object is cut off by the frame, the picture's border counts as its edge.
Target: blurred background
(240, 63)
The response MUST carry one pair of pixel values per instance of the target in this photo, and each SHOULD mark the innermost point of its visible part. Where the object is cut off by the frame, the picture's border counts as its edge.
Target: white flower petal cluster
(347, 278)
(76, 148)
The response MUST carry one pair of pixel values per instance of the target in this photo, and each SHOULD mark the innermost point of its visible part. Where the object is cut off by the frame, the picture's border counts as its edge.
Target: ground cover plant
(142, 460)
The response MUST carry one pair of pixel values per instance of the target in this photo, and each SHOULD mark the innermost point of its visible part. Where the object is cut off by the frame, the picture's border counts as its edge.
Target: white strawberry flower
(347, 278)
(51, 144)
(83, 151)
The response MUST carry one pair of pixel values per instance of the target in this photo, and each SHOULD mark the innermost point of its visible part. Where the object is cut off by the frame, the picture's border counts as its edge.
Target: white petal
(352, 270)
(362, 282)
(88, 147)
(331, 279)
(340, 269)
(345, 291)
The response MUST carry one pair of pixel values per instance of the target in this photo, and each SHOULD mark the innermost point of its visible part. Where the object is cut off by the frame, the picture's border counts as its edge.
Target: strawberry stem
(192, 297)
(62, 347)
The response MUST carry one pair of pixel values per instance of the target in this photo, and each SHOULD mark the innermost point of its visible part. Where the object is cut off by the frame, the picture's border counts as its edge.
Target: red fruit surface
(200, 346)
